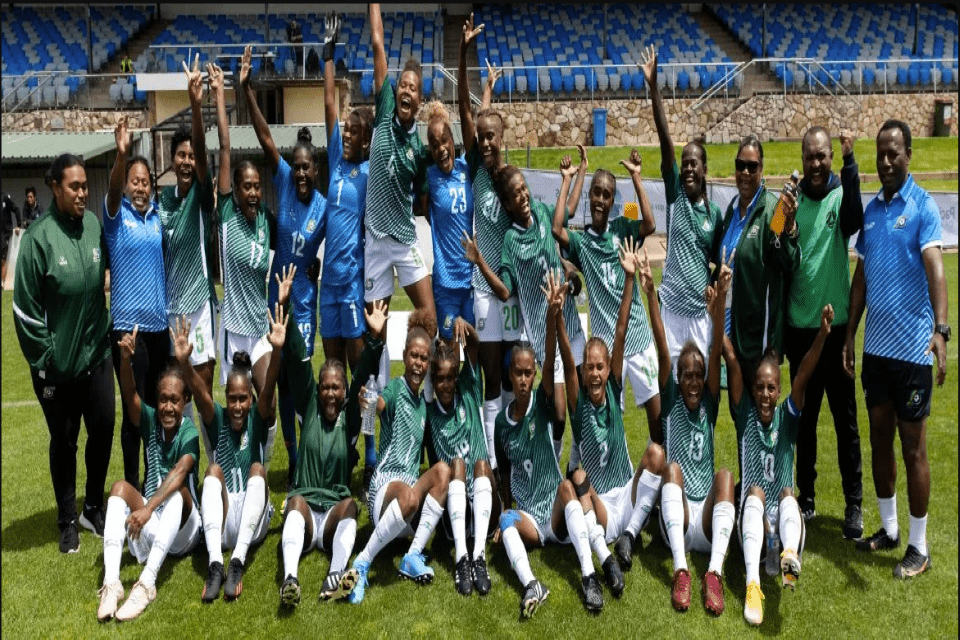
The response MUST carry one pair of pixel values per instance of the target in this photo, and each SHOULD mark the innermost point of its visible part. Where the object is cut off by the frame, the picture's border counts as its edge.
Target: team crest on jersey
(831, 219)
(311, 225)
(461, 413)
(448, 321)
(754, 230)
(355, 172)
(481, 323)
(409, 153)
(707, 226)
(243, 441)
(96, 255)
(260, 237)
(703, 413)
(774, 437)
(368, 285)
(62, 261)
(901, 222)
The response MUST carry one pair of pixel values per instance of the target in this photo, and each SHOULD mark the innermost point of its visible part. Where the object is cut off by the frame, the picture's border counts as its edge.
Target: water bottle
(773, 548)
(779, 219)
(368, 421)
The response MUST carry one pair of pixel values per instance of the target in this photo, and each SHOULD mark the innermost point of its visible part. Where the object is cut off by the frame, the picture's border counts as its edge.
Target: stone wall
(71, 120)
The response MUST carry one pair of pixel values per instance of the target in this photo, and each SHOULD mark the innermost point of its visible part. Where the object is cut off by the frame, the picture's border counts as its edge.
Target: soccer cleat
(92, 518)
(110, 596)
(680, 593)
(464, 576)
(70, 538)
(712, 588)
(140, 596)
(790, 568)
(337, 585)
(233, 587)
(534, 595)
(361, 569)
(481, 579)
(215, 578)
(753, 607)
(879, 541)
(853, 522)
(592, 592)
(367, 476)
(613, 576)
(623, 548)
(290, 592)
(414, 567)
(913, 564)
(808, 508)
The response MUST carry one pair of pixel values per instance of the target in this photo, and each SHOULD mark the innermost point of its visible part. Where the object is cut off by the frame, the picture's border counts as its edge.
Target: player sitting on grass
(165, 518)
(320, 512)
(547, 507)
(766, 435)
(233, 502)
(403, 502)
(696, 504)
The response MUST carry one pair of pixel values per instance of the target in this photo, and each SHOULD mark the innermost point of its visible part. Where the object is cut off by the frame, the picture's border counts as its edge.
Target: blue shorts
(451, 303)
(341, 310)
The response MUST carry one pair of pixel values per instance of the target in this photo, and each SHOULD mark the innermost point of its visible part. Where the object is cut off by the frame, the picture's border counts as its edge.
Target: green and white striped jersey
(245, 256)
(163, 456)
(597, 257)
(528, 446)
(398, 161)
(402, 422)
(766, 453)
(459, 434)
(490, 220)
(688, 436)
(186, 236)
(237, 450)
(600, 434)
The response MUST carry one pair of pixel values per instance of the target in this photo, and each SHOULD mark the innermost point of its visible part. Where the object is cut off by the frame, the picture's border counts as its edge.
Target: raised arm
(379, 52)
(555, 294)
(656, 322)
(858, 301)
(198, 135)
(128, 386)
(493, 74)
(180, 339)
(277, 338)
(851, 204)
(734, 376)
(331, 117)
(628, 261)
(634, 165)
(118, 173)
(468, 127)
(260, 126)
(649, 68)
(809, 363)
(472, 254)
(560, 212)
(937, 286)
(215, 74)
(467, 337)
(574, 196)
(715, 306)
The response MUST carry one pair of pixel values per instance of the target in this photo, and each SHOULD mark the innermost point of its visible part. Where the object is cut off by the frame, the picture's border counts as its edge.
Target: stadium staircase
(141, 43)
(755, 80)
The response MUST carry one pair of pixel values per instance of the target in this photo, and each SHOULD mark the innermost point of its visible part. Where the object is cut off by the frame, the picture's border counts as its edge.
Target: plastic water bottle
(368, 421)
(773, 549)
(779, 219)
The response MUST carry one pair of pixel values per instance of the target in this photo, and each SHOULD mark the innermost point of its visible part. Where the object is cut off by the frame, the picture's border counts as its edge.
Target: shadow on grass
(34, 531)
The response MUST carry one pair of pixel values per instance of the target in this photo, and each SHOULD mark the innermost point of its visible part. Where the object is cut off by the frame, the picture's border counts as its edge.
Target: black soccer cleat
(234, 584)
(481, 579)
(853, 522)
(464, 575)
(592, 592)
(913, 564)
(290, 592)
(215, 578)
(613, 576)
(623, 549)
(879, 541)
(534, 595)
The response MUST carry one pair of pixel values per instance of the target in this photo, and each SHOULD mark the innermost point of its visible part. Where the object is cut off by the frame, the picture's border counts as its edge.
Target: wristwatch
(944, 330)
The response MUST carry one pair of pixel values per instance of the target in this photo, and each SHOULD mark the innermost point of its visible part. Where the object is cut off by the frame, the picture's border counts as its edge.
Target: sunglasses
(750, 167)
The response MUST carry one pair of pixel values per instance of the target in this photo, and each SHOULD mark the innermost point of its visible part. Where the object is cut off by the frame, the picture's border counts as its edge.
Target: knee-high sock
(167, 530)
(113, 533)
(888, 515)
(253, 504)
(429, 517)
(647, 489)
(752, 536)
(790, 523)
(517, 554)
(292, 543)
(597, 536)
(723, 516)
(577, 529)
(490, 410)
(457, 504)
(671, 505)
(343, 540)
(482, 504)
(211, 512)
(390, 525)
(918, 534)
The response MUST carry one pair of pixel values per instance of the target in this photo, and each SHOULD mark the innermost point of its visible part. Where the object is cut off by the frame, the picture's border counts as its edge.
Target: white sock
(114, 529)
(888, 515)
(167, 530)
(517, 554)
(211, 512)
(457, 504)
(723, 516)
(390, 525)
(557, 446)
(250, 516)
(577, 529)
(294, 529)
(482, 504)
(429, 517)
(647, 489)
(343, 539)
(790, 524)
(268, 448)
(490, 410)
(597, 536)
(752, 536)
(671, 506)
(918, 534)
(574, 460)
(383, 376)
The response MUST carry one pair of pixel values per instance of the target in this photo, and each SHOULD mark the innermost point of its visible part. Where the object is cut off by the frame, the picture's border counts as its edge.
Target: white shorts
(202, 336)
(319, 524)
(694, 539)
(642, 369)
(577, 346)
(231, 525)
(229, 343)
(545, 530)
(619, 505)
(679, 329)
(497, 321)
(186, 539)
(378, 508)
(381, 257)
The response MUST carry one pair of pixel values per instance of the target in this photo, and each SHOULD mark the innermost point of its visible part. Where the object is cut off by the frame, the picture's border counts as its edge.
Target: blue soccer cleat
(414, 567)
(361, 569)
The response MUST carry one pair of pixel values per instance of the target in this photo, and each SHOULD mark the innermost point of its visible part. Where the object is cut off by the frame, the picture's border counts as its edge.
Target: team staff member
(829, 211)
(31, 208)
(62, 322)
(899, 277)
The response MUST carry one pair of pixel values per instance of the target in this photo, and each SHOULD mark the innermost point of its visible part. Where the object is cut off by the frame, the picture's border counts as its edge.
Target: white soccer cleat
(140, 596)
(110, 596)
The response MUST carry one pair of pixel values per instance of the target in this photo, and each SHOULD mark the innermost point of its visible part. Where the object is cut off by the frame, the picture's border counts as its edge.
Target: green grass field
(842, 593)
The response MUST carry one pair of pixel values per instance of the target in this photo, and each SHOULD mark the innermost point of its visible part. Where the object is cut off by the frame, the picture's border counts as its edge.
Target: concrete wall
(303, 104)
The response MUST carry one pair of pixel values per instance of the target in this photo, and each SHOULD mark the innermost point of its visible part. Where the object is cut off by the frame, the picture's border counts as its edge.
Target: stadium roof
(243, 139)
(44, 146)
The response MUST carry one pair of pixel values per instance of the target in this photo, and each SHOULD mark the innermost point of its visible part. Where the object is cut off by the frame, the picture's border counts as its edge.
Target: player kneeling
(766, 435)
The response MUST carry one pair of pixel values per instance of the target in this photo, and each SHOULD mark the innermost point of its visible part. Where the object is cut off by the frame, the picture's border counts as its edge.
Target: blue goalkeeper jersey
(451, 214)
